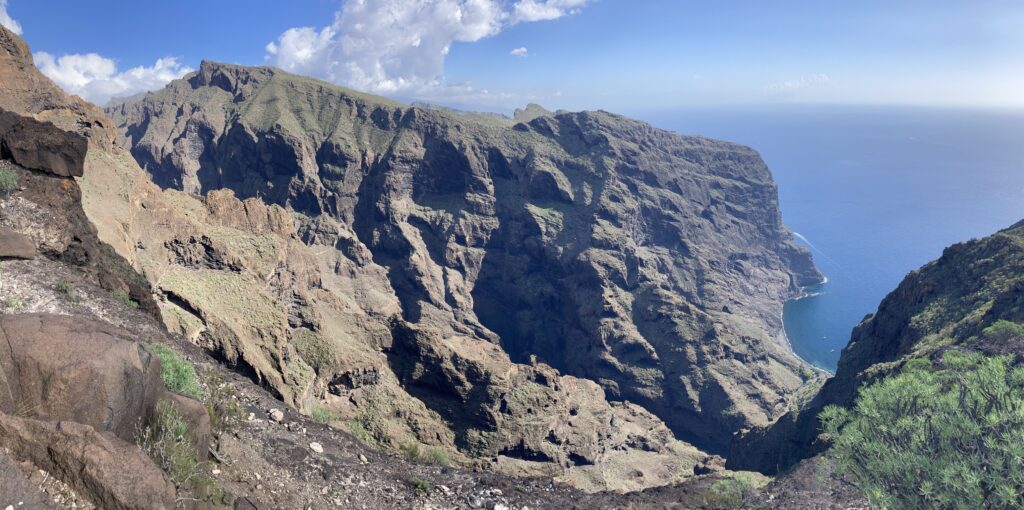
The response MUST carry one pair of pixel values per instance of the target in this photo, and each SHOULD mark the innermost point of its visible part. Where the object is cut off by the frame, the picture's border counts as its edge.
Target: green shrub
(1003, 330)
(177, 373)
(8, 181)
(324, 415)
(123, 297)
(420, 485)
(168, 442)
(950, 437)
(730, 492)
(437, 457)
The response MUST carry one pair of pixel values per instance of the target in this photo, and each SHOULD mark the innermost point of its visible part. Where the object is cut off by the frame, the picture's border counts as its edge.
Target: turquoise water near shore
(875, 193)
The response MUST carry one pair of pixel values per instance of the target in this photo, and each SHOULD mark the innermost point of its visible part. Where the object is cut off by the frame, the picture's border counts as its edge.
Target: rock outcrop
(73, 391)
(651, 263)
(945, 304)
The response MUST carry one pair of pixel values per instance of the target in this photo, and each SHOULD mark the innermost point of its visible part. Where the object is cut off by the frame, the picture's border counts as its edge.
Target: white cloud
(6, 19)
(96, 78)
(519, 52)
(399, 46)
(542, 10)
(804, 82)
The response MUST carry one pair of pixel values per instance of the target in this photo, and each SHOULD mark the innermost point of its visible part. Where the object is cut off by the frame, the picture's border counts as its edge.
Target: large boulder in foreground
(73, 393)
(63, 368)
(113, 474)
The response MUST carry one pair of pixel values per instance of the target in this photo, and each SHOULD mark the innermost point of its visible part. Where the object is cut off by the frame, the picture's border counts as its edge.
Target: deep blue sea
(875, 193)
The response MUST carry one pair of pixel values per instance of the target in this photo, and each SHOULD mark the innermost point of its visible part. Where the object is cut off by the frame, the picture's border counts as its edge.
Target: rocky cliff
(945, 304)
(651, 263)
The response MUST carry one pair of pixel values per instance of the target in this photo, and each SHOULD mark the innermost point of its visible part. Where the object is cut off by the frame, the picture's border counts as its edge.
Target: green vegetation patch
(177, 373)
(946, 437)
(730, 492)
(8, 181)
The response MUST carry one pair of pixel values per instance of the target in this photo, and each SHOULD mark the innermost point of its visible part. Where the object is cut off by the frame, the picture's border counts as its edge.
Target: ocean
(875, 193)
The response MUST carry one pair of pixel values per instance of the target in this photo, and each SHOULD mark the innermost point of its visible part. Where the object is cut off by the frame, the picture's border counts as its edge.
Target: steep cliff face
(651, 263)
(945, 304)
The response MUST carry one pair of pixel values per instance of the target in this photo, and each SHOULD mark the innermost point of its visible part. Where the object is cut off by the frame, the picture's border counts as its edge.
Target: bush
(950, 437)
(437, 457)
(324, 415)
(168, 442)
(8, 181)
(1002, 331)
(730, 492)
(177, 373)
(420, 485)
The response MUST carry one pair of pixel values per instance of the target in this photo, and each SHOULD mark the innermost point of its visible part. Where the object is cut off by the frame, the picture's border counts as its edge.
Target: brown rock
(110, 472)
(194, 413)
(62, 368)
(16, 246)
(41, 145)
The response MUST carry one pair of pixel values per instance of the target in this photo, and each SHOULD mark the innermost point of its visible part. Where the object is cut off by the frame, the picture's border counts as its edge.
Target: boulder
(63, 368)
(112, 473)
(16, 246)
(41, 145)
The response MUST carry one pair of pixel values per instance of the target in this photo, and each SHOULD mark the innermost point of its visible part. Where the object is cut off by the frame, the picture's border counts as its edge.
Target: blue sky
(611, 54)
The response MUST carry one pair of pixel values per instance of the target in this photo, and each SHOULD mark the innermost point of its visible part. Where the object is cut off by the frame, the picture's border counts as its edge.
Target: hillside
(945, 305)
(653, 264)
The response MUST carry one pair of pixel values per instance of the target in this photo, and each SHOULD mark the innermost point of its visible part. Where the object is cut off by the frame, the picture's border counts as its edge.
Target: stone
(16, 246)
(316, 447)
(362, 459)
(101, 378)
(108, 471)
(41, 145)
(277, 415)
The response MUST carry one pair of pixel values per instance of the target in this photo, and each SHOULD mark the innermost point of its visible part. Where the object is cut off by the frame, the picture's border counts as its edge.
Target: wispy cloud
(97, 79)
(400, 46)
(519, 52)
(791, 86)
(6, 19)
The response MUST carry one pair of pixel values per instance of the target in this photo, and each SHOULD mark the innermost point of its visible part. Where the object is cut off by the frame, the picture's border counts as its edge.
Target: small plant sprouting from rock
(177, 373)
(8, 181)
(125, 298)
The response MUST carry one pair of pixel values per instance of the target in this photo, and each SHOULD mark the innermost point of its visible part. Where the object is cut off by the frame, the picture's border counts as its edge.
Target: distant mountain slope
(946, 303)
(652, 263)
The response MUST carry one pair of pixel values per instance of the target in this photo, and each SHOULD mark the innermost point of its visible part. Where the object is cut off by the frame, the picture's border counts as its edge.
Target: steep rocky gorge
(410, 249)
(946, 304)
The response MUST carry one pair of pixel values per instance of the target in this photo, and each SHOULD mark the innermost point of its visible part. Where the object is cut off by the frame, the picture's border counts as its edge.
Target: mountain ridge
(456, 208)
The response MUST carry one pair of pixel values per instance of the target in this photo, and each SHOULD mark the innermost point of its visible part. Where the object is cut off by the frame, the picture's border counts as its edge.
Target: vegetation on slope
(949, 436)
